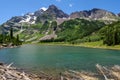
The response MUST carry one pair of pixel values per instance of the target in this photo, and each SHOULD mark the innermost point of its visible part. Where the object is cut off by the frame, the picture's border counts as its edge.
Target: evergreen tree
(54, 25)
(111, 34)
(11, 33)
(45, 26)
(17, 38)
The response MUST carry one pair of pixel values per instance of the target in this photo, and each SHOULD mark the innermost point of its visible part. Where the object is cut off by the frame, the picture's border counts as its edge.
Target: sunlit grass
(97, 44)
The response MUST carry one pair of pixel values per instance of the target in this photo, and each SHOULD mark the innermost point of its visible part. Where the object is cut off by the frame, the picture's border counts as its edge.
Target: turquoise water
(55, 59)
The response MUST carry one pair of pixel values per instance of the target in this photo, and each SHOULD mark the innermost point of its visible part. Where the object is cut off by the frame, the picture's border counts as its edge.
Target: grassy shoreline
(97, 44)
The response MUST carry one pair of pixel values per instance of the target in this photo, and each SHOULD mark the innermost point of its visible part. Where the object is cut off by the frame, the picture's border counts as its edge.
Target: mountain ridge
(94, 14)
(53, 13)
(45, 23)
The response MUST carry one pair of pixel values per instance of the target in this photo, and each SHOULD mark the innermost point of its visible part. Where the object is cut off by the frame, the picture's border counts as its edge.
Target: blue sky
(9, 8)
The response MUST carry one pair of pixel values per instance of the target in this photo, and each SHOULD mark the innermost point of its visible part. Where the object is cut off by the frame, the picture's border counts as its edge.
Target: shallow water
(55, 59)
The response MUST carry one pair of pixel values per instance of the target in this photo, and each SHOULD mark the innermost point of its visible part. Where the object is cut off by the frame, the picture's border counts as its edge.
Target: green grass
(92, 44)
(97, 44)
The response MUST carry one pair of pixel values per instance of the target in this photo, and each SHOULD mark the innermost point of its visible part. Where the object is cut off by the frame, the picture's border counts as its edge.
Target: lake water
(55, 59)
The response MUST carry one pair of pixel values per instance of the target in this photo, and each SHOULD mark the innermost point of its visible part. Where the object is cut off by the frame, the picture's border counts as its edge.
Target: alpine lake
(55, 59)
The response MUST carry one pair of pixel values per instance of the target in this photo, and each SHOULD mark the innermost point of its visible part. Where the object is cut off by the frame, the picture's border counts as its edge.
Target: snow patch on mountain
(44, 8)
(29, 18)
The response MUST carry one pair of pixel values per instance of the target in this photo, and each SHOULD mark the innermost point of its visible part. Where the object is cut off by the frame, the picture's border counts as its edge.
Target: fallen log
(7, 72)
(10, 73)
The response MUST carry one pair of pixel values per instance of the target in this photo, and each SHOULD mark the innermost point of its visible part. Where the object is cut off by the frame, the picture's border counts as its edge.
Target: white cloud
(58, 0)
(70, 5)
(44, 8)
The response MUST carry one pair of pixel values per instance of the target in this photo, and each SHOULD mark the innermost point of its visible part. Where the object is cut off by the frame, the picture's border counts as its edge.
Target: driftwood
(10, 73)
(104, 73)
(112, 73)
(103, 70)
(1, 63)
(75, 75)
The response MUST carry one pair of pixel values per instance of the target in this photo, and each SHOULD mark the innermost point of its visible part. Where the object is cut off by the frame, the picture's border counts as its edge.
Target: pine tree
(17, 38)
(11, 33)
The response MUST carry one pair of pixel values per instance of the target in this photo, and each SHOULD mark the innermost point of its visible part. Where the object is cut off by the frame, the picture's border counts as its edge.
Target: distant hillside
(111, 34)
(77, 29)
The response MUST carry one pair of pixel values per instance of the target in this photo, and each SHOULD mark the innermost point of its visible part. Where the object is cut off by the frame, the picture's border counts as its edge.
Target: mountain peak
(96, 9)
(56, 12)
(95, 13)
(52, 7)
(43, 8)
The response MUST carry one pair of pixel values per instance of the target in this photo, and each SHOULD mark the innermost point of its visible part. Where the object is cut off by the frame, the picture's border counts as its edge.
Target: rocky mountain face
(52, 13)
(94, 14)
(17, 21)
(55, 12)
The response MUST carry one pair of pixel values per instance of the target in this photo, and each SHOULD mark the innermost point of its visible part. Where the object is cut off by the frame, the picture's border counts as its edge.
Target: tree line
(111, 34)
(9, 39)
